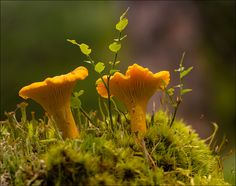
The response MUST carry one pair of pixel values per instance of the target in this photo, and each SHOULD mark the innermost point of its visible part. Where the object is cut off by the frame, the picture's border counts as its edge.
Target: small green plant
(174, 99)
(99, 66)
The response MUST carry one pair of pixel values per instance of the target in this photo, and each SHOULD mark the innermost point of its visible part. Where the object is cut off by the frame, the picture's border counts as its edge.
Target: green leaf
(120, 26)
(121, 38)
(99, 67)
(85, 49)
(115, 47)
(89, 62)
(171, 91)
(75, 102)
(80, 93)
(124, 14)
(116, 63)
(185, 72)
(182, 59)
(184, 91)
(72, 41)
(179, 69)
(178, 86)
(112, 71)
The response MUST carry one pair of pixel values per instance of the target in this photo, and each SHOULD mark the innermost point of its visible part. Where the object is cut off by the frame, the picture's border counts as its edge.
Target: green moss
(177, 154)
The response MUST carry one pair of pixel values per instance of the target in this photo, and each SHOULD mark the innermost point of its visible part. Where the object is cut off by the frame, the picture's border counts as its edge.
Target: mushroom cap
(101, 88)
(79, 73)
(54, 91)
(137, 84)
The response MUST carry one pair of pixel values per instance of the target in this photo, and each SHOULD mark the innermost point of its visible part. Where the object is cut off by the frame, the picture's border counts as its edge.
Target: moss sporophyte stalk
(89, 150)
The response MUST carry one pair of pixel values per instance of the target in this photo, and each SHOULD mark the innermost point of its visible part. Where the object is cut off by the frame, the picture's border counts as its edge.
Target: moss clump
(67, 167)
(166, 155)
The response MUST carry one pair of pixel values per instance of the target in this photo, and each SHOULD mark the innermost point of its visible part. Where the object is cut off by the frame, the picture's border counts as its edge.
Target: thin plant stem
(108, 87)
(87, 116)
(147, 155)
(108, 92)
(175, 112)
(114, 62)
(109, 101)
(179, 99)
(101, 110)
(211, 138)
(180, 79)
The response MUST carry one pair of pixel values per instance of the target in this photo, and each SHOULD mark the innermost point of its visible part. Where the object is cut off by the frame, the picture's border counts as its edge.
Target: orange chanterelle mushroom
(53, 94)
(134, 89)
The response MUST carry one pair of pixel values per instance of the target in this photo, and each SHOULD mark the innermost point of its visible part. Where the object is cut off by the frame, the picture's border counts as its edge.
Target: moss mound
(163, 156)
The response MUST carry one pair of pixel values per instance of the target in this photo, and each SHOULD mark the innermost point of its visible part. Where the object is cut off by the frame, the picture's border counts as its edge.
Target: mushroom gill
(53, 94)
(134, 89)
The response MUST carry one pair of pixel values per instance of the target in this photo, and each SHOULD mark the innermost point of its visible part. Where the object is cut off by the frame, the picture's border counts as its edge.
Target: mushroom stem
(138, 117)
(65, 122)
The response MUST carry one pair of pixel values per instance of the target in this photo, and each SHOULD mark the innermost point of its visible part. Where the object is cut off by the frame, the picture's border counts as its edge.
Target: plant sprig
(175, 100)
(100, 66)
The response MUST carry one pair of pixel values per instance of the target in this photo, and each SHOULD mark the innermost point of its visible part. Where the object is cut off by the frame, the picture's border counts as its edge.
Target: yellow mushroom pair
(134, 89)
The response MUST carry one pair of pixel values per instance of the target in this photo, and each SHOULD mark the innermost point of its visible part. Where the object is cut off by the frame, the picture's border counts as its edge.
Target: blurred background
(34, 46)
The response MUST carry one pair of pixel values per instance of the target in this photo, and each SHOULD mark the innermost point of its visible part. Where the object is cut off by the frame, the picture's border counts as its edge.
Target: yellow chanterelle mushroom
(53, 94)
(134, 89)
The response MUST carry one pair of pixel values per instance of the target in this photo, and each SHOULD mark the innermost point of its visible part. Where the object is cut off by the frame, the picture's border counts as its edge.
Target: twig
(86, 115)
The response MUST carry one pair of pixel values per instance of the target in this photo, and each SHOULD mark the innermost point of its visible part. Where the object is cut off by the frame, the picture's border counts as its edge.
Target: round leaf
(115, 47)
(120, 26)
(99, 67)
(85, 49)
